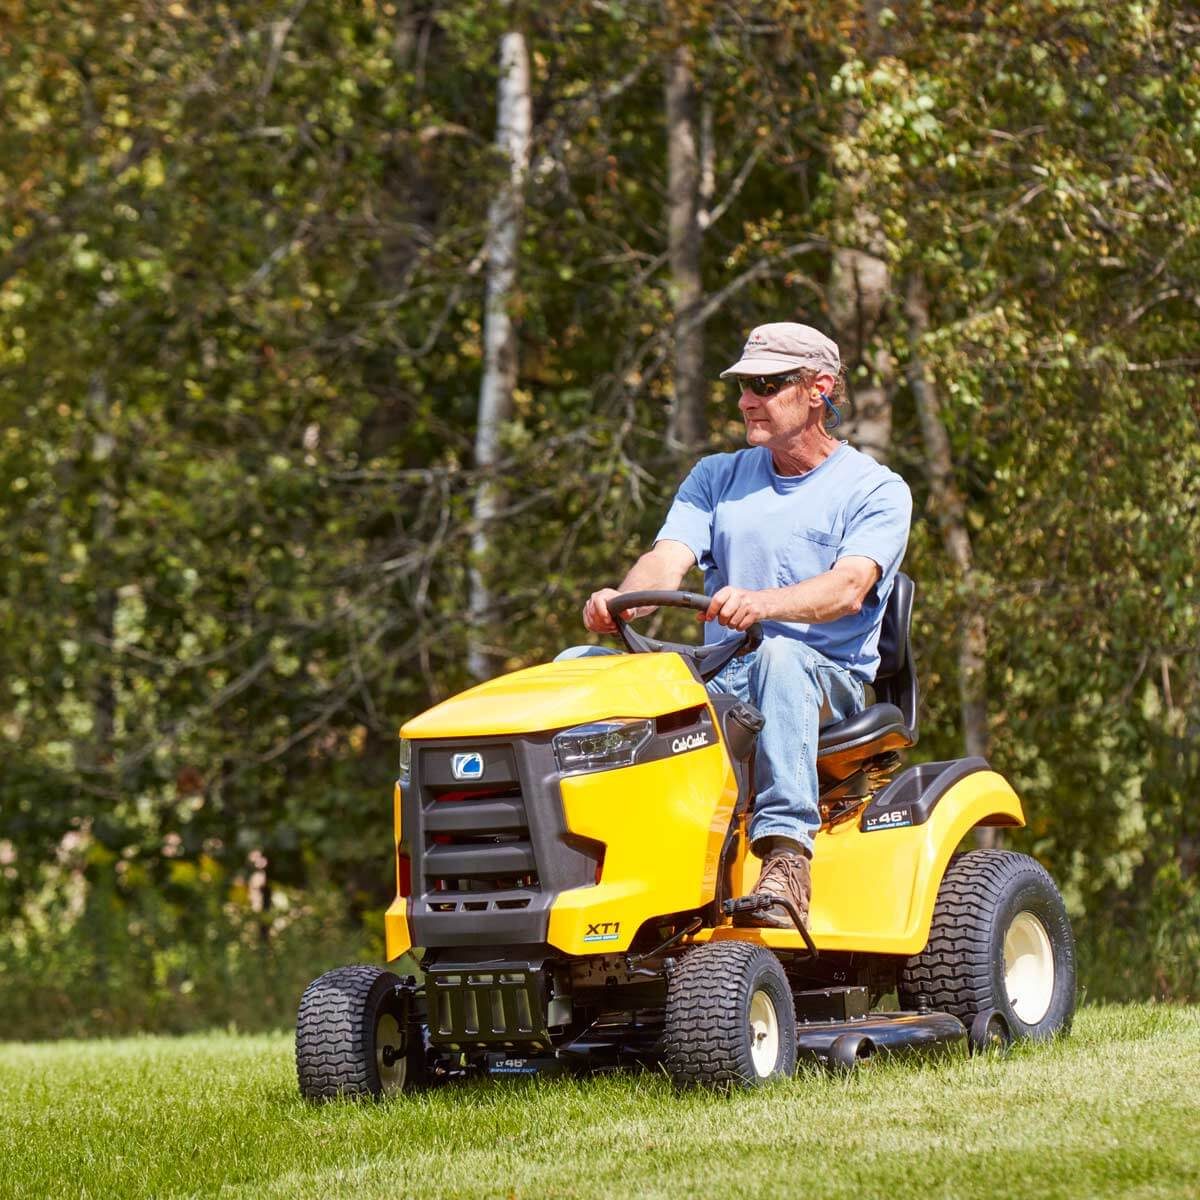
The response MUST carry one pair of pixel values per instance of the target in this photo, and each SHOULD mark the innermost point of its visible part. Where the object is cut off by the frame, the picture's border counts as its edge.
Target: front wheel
(1000, 939)
(358, 1035)
(730, 1019)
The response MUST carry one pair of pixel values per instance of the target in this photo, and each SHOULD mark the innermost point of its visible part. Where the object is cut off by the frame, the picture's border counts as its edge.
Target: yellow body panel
(875, 891)
(645, 815)
(395, 928)
(662, 824)
(395, 920)
(558, 695)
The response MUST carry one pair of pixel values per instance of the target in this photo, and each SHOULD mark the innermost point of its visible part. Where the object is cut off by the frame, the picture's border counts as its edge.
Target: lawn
(1112, 1111)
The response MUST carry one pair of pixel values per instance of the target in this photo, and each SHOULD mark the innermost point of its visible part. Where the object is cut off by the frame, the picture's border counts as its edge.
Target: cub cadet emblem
(689, 742)
(467, 766)
(603, 931)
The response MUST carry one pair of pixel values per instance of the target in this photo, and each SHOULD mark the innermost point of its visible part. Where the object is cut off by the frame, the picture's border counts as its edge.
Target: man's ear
(825, 383)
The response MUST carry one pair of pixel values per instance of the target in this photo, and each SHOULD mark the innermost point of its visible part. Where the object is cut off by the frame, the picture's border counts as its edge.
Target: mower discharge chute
(571, 848)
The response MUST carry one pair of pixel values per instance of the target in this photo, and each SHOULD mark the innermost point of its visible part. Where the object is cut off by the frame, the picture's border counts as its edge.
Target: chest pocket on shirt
(807, 552)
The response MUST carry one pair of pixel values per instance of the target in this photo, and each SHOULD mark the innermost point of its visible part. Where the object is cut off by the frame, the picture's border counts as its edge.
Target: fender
(874, 891)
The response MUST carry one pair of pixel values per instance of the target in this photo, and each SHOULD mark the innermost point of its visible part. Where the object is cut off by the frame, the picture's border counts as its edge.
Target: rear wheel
(357, 1035)
(1000, 939)
(730, 1019)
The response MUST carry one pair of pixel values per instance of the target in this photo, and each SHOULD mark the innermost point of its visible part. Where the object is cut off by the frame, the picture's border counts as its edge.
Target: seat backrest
(896, 679)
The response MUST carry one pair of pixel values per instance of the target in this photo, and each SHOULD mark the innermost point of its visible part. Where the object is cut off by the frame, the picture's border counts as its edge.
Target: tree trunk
(104, 697)
(499, 337)
(688, 423)
(860, 289)
(951, 513)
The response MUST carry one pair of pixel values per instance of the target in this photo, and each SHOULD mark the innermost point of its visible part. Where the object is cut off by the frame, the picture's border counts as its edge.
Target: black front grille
(477, 849)
(489, 851)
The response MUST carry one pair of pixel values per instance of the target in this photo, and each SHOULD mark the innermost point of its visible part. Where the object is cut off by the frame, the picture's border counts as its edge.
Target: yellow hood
(561, 694)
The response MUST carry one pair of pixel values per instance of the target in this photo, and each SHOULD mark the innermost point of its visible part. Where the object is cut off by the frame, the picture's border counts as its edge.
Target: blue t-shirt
(750, 527)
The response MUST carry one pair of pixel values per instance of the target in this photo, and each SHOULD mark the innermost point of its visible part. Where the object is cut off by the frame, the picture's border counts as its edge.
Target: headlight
(405, 759)
(600, 745)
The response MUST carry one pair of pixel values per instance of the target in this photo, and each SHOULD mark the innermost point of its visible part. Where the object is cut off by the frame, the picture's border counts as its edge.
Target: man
(801, 532)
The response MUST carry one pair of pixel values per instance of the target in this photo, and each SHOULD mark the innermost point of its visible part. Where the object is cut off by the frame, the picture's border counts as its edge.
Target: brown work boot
(786, 873)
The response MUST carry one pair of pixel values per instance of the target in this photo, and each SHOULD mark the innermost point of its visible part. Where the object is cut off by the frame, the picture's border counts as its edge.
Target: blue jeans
(797, 689)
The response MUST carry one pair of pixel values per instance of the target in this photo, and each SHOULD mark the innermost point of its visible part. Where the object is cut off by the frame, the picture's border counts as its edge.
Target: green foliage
(114, 945)
(1026, 158)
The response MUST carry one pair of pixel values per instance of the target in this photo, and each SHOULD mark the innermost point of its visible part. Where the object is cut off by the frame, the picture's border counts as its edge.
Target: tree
(688, 423)
(860, 281)
(500, 340)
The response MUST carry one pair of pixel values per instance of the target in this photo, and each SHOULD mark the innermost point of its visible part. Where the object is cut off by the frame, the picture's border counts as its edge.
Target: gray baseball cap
(786, 346)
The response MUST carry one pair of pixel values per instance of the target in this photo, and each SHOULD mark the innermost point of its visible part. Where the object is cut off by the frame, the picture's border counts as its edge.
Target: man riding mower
(608, 859)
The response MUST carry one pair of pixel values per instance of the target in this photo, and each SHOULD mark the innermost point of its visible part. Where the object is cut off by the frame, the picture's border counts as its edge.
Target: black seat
(890, 723)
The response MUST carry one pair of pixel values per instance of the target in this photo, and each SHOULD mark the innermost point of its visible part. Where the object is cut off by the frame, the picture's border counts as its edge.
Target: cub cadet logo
(603, 931)
(467, 766)
(689, 742)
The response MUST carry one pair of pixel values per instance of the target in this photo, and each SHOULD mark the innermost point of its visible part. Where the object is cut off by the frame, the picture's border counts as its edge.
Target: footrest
(760, 902)
(757, 902)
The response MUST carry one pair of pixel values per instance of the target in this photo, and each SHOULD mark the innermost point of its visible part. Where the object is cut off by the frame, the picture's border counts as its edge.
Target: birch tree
(505, 216)
(687, 423)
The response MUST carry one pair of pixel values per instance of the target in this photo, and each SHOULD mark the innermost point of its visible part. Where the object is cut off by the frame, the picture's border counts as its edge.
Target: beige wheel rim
(764, 1034)
(1028, 968)
(390, 1056)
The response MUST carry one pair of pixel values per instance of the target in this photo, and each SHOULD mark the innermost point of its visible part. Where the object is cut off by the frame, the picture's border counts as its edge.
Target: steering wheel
(707, 660)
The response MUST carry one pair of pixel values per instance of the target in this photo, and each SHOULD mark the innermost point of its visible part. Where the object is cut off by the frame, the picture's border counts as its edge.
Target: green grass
(1112, 1111)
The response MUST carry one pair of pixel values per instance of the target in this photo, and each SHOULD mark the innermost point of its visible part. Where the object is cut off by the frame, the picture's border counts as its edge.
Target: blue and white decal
(467, 766)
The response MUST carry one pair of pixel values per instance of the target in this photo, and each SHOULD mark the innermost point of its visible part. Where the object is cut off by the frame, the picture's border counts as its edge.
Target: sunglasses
(765, 385)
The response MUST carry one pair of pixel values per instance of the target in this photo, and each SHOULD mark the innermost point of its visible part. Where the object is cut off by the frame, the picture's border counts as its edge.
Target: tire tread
(701, 1037)
(332, 1055)
(954, 971)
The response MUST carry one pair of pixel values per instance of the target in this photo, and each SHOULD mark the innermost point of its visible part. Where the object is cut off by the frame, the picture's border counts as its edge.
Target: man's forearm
(652, 573)
(836, 593)
(814, 601)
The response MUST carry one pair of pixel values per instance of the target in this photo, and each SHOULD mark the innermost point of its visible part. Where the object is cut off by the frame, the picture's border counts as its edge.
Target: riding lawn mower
(571, 852)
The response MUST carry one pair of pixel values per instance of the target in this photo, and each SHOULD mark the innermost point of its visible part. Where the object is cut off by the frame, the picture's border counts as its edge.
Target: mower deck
(840, 1044)
(834, 1029)
(836, 1045)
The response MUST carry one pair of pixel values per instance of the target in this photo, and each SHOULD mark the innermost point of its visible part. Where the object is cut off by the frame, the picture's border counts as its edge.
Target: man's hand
(595, 611)
(738, 608)
(660, 569)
